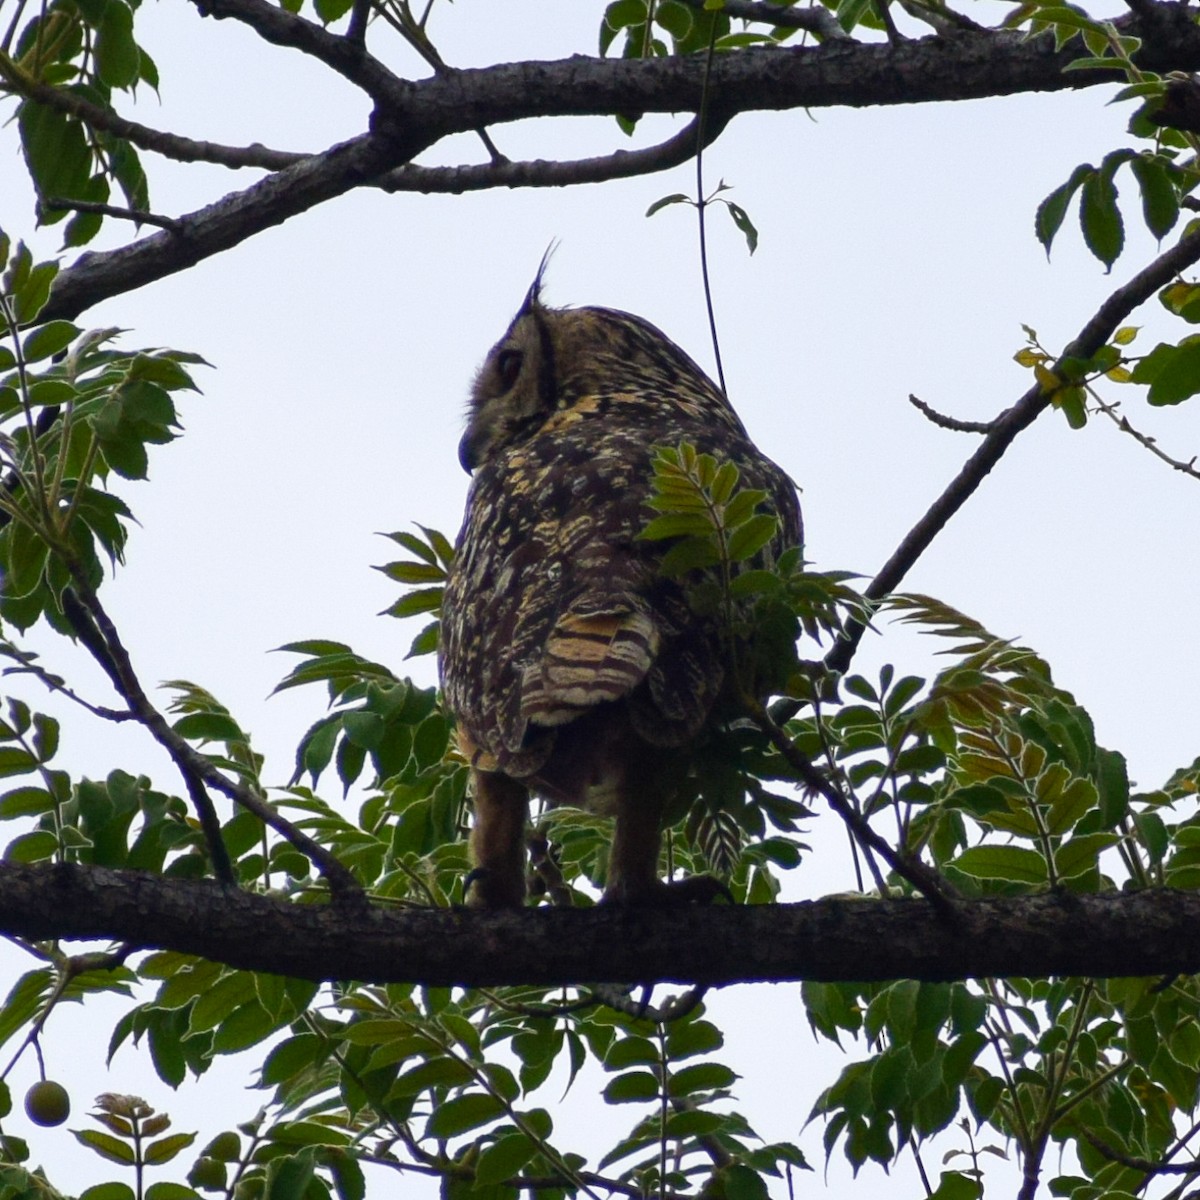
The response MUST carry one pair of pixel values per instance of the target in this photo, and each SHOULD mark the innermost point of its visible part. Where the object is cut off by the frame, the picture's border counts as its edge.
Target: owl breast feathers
(570, 661)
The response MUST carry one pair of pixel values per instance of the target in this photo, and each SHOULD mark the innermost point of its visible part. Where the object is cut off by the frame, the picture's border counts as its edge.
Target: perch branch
(836, 939)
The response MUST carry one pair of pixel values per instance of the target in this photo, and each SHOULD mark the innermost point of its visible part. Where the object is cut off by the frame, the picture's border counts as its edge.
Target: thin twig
(196, 769)
(111, 210)
(702, 202)
(938, 891)
(1151, 444)
(55, 684)
(1007, 426)
(1140, 1164)
(947, 422)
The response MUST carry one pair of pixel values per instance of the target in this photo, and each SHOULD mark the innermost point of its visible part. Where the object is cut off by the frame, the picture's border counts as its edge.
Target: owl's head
(551, 359)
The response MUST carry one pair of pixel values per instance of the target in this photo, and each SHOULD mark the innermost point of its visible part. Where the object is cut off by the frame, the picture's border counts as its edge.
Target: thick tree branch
(1005, 428)
(1140, 933)
(220, 226)
(347, 56)
(412, 116)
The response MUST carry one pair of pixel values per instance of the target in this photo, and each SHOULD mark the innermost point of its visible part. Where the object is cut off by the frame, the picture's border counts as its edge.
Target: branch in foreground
(1139, 933)
(1005, 428)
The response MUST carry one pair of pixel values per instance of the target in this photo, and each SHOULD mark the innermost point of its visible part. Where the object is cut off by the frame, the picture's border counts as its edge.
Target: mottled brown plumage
(575, 669)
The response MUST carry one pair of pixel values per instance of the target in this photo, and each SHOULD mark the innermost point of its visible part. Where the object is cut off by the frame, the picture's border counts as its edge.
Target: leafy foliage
(987, 773)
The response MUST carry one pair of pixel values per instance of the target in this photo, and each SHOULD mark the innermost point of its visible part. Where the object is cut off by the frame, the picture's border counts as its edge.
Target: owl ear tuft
(533, 297)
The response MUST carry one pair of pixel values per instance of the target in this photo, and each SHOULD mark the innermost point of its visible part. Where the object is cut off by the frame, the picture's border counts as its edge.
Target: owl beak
(468, 453)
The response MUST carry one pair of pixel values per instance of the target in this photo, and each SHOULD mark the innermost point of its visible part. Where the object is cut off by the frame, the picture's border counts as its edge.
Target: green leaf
(209, 727)
(1183, 299)
(1160, 199)
(170, 1191)
(1178, 378)
(677, 524)
(106, 1146)
(1053, 209)
(117, 56)
(332, 10)
(742, 220)
(32, 847)
(504, 1159)
(631, 1051)
(59, 161)
(674, 198)
(48, 339)
(1100, 219)
(1015, 864)
(347, 1175)
(687, 1039)
(108, 1191)
(691, 554)
(288, 1178)
(1081, 853)
(701, 1077)
(165, 1149)
(631, 1086)
(25, 802)
(749, 538)
(462, 1114)
(741, 1183)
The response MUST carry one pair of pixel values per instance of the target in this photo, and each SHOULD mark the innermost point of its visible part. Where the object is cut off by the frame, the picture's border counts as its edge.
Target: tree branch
(169, 145)
(346, 56)
(199, 773)
(223, 225)
(621, 164)
(1139, 933)
(412, 116)
(1006, 427)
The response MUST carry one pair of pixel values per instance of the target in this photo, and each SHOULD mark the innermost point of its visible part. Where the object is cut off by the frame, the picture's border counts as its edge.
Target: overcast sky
(897, 256)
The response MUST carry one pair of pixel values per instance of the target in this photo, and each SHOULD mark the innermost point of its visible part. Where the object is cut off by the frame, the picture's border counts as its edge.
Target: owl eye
(508, 363)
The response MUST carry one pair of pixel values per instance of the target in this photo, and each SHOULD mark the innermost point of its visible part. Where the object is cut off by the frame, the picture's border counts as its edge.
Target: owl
(575, 668)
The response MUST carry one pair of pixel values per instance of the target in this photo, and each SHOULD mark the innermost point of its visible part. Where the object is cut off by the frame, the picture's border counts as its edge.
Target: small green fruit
(47, 1103)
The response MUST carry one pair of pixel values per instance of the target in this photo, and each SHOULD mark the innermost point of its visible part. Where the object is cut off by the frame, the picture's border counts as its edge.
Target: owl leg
(498, 841)
(633, 872)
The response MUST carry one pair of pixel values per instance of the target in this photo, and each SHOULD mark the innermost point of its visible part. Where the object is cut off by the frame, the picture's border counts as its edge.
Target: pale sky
(897, 256)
